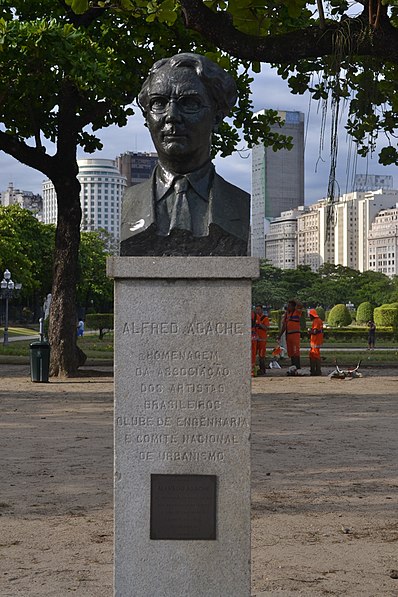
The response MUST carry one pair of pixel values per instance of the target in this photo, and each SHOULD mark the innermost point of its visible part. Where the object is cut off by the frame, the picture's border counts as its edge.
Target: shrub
(276, 316)
(364, 312)
(321, 312)
(339, 316)
(101, 322)
(386, 315)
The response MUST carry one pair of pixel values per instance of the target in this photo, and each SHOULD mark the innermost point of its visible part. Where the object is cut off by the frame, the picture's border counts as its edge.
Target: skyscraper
(136, 166)
(372, 182)
(277, 179)
(102, 188)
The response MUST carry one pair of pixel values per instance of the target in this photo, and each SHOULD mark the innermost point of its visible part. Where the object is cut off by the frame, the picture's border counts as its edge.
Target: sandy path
(325, 486)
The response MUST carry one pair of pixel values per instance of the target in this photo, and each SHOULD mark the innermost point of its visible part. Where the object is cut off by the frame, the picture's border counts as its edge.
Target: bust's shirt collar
(200, 180)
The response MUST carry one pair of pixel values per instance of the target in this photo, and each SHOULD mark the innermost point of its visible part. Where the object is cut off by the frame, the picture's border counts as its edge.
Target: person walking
(260, 326)
(371, 334)
(291, 325)
(316, 341)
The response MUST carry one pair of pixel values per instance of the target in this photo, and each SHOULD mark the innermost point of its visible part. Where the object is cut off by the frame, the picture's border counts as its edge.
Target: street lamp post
(7, 290)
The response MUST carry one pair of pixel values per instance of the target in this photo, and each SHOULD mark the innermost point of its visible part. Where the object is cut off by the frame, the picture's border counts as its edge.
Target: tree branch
(310, 42)
(33, 157)
(85, 19)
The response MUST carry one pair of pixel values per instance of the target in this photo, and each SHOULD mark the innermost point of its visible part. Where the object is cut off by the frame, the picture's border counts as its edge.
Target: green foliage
(386, 315)
(339, 316)
(321, 312)
(364, 312)
(331, 285)
(276, 317)
(106, 63)
(268, 290)
(100, 321)
(373, 287)
(358, 336)
(94, 289)
(349, 69)
(26, 249)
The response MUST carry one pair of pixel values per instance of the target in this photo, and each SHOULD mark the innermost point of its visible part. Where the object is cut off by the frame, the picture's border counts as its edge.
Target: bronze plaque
(183, 507)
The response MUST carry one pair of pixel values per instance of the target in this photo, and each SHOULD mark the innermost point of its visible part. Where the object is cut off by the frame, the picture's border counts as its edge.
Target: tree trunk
(66, 356)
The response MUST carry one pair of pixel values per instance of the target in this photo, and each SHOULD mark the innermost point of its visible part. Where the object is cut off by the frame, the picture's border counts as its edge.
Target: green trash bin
(39, 360)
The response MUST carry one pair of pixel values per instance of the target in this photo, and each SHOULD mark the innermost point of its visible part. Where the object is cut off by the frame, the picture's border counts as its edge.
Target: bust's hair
(219, 84)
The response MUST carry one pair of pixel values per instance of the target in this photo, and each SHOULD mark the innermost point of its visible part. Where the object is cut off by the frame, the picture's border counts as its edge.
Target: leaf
(78, 6)
(256, 67)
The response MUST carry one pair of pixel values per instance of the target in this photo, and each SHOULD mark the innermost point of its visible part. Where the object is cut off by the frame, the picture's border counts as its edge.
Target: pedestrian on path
(316, 341)
(371, 334)
(291, 325)
(260, 326)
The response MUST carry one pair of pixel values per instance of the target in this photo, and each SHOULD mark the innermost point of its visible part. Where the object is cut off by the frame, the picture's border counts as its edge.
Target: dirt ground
(324, 479)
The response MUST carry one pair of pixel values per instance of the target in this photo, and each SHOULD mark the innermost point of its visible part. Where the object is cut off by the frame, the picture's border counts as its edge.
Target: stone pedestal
(182, 425)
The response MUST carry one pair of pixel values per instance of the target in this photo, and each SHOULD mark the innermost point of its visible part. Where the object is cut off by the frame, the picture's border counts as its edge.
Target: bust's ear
(218, 118)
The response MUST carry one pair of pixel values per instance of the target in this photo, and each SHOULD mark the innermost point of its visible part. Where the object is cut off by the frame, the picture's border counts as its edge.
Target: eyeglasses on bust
(187, 104)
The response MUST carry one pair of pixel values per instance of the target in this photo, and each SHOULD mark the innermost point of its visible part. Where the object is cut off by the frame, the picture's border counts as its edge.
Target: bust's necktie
(180, 215)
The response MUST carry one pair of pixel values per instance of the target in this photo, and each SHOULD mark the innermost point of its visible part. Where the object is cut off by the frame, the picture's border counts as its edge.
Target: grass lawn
(17, 331)
(91, 345)
(373, 358)
(95, 348)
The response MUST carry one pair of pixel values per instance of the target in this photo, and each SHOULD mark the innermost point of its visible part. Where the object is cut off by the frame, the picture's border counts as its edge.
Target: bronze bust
(186, 208)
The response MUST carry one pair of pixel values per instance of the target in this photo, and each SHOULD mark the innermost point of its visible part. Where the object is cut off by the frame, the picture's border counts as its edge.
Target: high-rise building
(277, 179)
(383, 242)
(372, 182)
(315, 236)
(338, 233)
(25, 199)
(102, 188)
(368, 208)
(281, 239)
(136, 166)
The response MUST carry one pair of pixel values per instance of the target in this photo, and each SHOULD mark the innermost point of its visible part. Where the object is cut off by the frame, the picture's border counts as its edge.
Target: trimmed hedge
(350, 335)
(339, 316)
(386, 315)
(364, 312)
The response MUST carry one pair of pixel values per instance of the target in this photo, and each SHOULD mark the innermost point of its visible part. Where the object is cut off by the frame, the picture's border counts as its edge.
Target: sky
(269, 91)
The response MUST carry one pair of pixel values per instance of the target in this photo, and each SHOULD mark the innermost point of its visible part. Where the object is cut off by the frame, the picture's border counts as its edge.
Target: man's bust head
(186, 208)
(184, 99)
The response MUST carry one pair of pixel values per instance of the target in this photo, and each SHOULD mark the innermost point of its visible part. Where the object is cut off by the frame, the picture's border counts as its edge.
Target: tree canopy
(26, 249)
(64, 74)
(343, 51)
(94, 288)
(71, 67)
(331, 285)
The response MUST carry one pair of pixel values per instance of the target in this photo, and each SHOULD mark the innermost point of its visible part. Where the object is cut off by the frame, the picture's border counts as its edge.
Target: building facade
(277, 179)
(338, 233)
(136, 167)
(281, 239)
(383, 242)
(315, 235)
(25, 199)
(102, 188)
(372, 182)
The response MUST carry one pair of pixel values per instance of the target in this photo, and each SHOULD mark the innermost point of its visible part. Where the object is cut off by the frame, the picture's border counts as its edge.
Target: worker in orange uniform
(260, 326)
(291, 325)
(316, 341)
